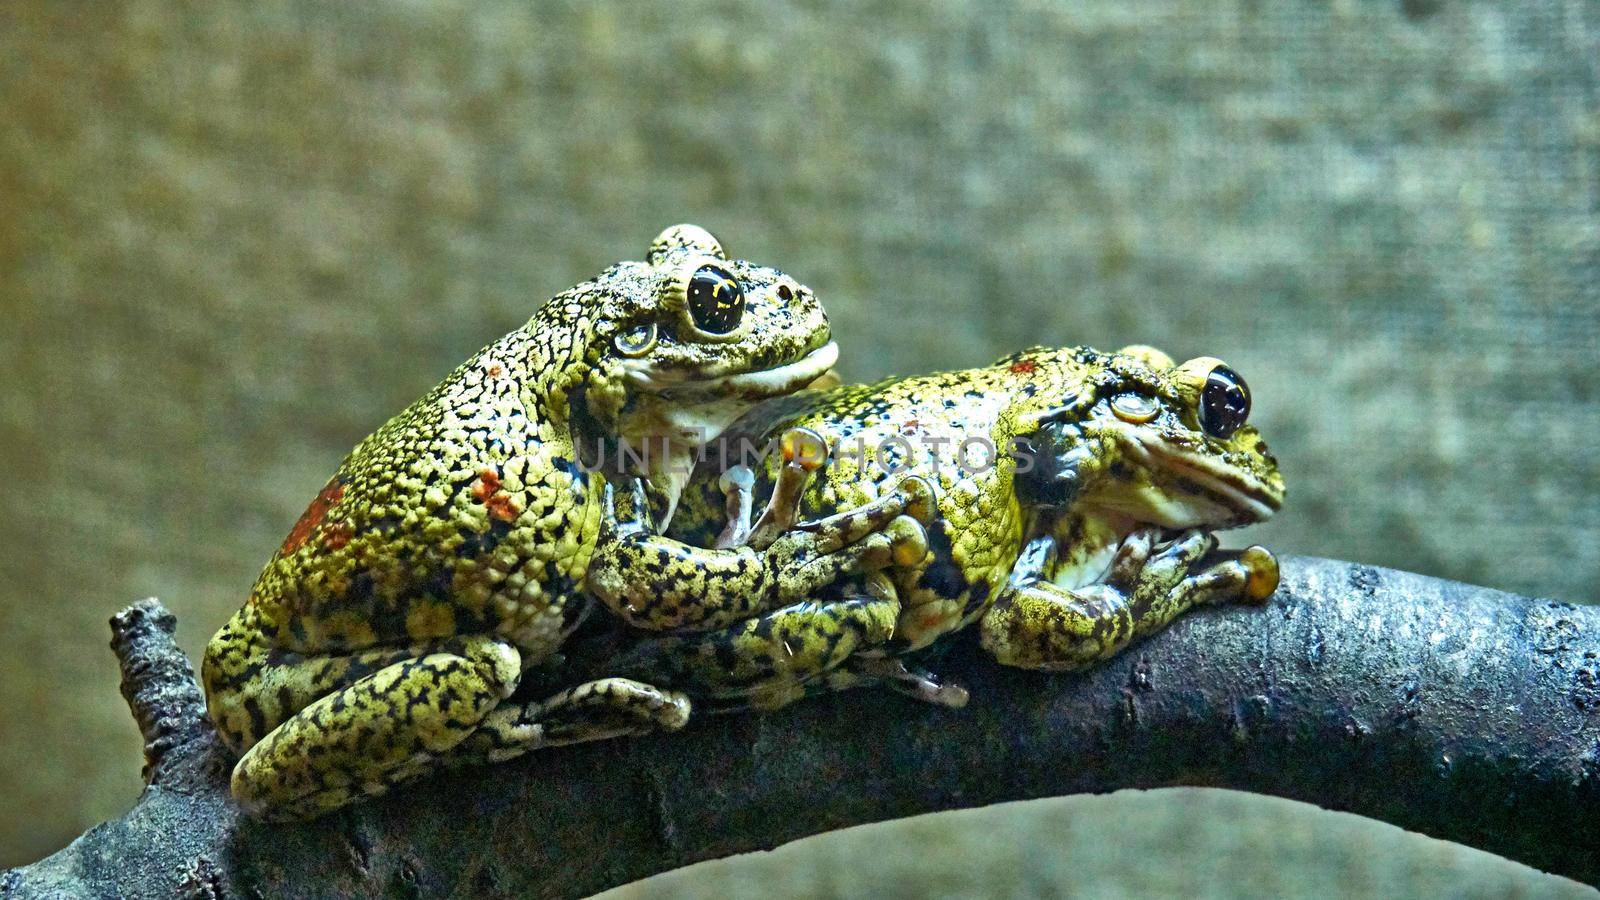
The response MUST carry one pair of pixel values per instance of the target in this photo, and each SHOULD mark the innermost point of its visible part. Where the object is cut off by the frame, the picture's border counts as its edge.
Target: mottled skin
(1092, 527)
(459, 544)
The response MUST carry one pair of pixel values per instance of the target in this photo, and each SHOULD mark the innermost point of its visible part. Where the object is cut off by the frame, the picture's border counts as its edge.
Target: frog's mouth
(756, 384)
(1195, 490)
(1251, 498)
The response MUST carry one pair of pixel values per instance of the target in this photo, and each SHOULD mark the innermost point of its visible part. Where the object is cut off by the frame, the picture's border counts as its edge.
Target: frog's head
(1145, 441)
(682, 343)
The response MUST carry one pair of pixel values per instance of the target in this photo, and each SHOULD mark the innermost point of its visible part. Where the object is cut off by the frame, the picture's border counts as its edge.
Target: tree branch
(1456, 711)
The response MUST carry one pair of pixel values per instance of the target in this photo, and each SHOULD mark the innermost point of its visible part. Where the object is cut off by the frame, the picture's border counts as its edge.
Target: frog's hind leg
(384, 728)
(1041, 625)
(774, 659)
(252, 687)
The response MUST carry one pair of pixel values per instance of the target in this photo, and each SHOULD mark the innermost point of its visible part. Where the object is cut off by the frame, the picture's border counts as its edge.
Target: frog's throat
(1251, 498)
(688, 414)
(784, 379)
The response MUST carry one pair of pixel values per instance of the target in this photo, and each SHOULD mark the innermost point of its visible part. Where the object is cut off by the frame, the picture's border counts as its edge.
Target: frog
(1079, 497)
(457, 547)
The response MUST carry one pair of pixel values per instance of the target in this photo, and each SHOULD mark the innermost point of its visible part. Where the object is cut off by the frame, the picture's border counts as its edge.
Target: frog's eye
(636, 341)
(707, 298)
(1224, 402)
(1135, 408)
(715, 300)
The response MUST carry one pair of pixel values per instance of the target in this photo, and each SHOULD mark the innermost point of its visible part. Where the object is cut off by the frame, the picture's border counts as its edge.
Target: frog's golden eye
(1135, 408)
(636, 341)
(715, 300)
(1224, 402)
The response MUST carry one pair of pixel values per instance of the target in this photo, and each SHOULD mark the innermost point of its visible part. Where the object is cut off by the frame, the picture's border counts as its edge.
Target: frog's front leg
(804, 452)
(659, 584)
(1039, 625)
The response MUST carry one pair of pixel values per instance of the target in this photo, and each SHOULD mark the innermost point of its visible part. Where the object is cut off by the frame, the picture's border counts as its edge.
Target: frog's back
(942, 426)
(951, 427)
(463, 514)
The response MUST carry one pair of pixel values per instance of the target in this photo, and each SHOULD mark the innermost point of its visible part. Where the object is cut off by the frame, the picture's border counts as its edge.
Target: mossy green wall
(235, 236)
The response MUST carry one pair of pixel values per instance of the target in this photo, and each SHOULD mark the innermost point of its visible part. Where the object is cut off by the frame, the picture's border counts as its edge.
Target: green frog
(458, 546)
(1078, 496)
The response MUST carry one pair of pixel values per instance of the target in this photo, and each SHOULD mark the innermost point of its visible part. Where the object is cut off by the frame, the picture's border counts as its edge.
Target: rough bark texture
(1452, 710)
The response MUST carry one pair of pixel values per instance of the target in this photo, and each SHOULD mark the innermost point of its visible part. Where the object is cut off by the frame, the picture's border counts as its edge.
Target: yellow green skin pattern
(458, 545)
(1063, 564)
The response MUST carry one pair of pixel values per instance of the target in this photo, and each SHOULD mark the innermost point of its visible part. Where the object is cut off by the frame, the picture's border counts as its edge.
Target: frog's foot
(806, 562)
(1249, 576)
(887, 531)
(1144, 564)
(922, 685)
(1041, 625)
(804, 452)
(592, 711)
(610, 707)
(1191, 571)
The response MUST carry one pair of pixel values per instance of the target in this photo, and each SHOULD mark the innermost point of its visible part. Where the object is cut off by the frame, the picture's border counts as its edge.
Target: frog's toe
(804, 452)
(805, 447)
(921, 499)
(908, 541)
(1132, 555)
(1261, 568)
(1188, 547)
(737, 480)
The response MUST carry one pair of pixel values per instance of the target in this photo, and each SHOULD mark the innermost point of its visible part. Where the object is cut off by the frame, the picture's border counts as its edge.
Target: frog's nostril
(785, 293)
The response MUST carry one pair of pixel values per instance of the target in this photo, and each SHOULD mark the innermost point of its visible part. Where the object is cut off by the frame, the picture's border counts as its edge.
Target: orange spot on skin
(487, 486)
(335, 536)
(487, 491)
(495, 370)
(313, 516)
(931, 622)
(1024, 367)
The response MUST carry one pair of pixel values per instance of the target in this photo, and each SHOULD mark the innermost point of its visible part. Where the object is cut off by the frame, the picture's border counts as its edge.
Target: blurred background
(237, 236)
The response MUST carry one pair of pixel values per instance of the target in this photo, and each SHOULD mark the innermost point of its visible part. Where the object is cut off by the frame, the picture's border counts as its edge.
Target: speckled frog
(1078, 493)
(459, 544)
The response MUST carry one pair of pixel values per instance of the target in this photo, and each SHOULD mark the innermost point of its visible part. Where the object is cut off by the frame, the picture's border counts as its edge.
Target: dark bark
(1456, 711)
